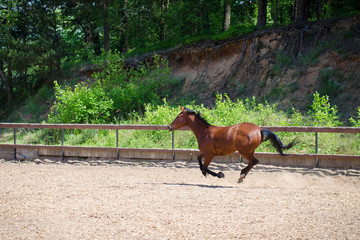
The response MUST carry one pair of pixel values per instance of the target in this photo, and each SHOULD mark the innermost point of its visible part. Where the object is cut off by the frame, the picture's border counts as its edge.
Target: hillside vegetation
(286, 65)
(240, 48)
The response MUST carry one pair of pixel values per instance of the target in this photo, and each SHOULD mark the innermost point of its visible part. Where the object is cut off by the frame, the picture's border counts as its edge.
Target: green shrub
(355, 122)
(329, 82)
(234, 31)
(117, 92)
(310, 57)
(283, 60)
(323, 113)
(85, 104)
(130, 89)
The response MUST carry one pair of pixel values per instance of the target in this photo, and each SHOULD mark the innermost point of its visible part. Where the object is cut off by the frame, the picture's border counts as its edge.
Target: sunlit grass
(225, 112)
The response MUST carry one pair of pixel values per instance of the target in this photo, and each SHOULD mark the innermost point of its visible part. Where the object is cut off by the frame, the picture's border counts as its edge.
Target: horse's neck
(198, 127)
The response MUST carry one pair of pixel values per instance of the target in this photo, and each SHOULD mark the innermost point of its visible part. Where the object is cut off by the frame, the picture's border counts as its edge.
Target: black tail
(276, 142)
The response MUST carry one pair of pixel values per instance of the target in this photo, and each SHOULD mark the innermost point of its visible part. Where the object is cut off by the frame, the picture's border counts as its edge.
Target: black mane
(198, 115)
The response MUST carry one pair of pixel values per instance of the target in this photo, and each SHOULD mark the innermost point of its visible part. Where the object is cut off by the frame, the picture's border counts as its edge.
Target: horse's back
(246, 130)
(229, 139)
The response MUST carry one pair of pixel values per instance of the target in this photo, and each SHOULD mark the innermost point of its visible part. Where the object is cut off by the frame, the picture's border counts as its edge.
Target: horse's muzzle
(171, 128)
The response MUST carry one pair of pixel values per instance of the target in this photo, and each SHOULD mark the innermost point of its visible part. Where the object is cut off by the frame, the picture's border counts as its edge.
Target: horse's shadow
(192, 185)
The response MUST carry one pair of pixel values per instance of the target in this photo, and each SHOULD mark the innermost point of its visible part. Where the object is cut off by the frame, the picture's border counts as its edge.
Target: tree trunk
(276, 13)
(92, 38)
(126, 46)
(261, 19)
(227, 15)
(164, 7)
(88, 34)
(302, 10)
(318, 9)
(57, 48)
(6, 81)
(106, 28)
(205, 17)
(293, 11)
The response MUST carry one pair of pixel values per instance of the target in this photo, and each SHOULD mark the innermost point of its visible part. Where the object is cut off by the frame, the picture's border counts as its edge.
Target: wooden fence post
(173, 144)
(316, 149)
(62, 144)
(15, 143)
(117, 144)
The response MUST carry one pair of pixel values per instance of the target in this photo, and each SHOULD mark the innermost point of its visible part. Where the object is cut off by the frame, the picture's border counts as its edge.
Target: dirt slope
(285, 65)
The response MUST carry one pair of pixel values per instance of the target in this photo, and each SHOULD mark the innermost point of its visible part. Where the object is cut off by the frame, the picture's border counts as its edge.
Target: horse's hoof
(241, 179)
(220, 175)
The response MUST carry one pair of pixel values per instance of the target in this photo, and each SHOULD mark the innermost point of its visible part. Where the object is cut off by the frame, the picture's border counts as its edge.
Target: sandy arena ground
(172, 200)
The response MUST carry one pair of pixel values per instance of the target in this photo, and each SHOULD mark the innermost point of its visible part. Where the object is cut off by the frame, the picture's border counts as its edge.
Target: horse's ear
(182, 108)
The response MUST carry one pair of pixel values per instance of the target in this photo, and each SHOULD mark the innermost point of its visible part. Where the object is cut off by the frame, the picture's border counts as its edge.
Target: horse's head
(180, 120)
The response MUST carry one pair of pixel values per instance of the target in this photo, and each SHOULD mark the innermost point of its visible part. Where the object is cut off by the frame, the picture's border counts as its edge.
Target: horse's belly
(224, 143)
(223, 153)
(224, 150)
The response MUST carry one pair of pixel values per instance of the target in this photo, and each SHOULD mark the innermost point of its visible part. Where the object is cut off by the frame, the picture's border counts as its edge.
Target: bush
(329, 81)
(84, 104)
(130, 89)
(355, 122)
(117, 92)
(283, 60)
(323, 113)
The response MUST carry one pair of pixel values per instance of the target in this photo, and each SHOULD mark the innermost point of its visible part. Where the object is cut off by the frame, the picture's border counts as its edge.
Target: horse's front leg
(204, 168)
(200, 162)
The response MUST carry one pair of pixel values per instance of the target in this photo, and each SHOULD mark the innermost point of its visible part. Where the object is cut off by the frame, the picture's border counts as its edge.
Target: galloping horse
(215, 141)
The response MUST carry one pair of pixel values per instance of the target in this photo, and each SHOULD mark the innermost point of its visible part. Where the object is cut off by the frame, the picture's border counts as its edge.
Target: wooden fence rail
(165, 127)
(316, 130)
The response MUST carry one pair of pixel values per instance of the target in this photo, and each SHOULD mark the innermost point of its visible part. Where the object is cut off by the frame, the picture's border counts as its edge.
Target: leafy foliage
(131, 89)
(356, 121)
(323, 113)
(84, 104)
(116, 92)
(282, 61)
(225, 112)
(329, 80)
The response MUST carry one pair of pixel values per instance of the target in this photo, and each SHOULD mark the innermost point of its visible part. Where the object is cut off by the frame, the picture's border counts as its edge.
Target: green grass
(225, 112)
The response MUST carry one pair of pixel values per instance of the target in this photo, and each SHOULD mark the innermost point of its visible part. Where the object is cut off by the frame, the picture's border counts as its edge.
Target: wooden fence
(172, 151)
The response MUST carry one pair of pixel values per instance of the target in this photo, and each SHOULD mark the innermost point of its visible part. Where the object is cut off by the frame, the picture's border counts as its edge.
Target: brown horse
(214, 141)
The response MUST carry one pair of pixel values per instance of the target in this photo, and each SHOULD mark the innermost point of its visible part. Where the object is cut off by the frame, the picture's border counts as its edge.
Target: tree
(301, 10)
(262, 11)
(276, 13)
(8, 16)
(243, 12)
(125, 23)
(87, 16)
(227, 15)
(318, 9)
(164, 5)
(106, 27)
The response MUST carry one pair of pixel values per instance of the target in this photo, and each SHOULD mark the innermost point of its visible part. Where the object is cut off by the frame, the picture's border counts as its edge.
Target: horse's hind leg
(252, 161)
